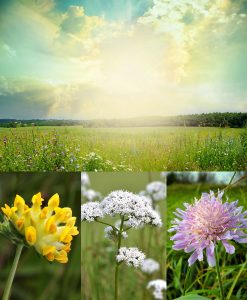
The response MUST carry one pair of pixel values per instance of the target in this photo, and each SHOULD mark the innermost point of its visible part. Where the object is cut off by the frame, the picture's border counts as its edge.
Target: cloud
(179, 57)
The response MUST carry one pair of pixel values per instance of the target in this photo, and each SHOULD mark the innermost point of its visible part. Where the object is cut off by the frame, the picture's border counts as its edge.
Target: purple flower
(205, 222)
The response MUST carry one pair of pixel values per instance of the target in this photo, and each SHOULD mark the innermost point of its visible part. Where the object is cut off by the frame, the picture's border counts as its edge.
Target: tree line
(233, 120)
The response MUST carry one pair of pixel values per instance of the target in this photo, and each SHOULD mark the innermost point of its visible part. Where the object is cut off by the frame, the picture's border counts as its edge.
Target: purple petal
(179, 245)
(200, 255)
(239, 240)
(229, 248)
(177, 236)
(193, 258)
(210, 254)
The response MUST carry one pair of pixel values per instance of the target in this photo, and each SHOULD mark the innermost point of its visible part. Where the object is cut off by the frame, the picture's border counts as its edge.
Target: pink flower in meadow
(205, 222)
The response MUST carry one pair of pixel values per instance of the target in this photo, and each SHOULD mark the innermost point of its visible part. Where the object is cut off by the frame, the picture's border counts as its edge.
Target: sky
(86, 59)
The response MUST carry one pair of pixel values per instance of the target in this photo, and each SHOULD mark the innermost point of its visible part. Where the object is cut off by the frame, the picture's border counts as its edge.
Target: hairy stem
(9, 283)
(218, 272)
(117, 264)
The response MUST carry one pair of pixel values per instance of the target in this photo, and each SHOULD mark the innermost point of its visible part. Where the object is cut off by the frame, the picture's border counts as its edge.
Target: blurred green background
(36, 278)
(200, 278)
(98, 253)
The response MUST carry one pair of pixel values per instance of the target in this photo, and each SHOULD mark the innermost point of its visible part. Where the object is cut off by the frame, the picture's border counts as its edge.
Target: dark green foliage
(233, 120)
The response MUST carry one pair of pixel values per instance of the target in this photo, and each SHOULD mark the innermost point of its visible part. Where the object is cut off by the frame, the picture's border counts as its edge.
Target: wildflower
(150, 266)
(131, 256)
(90, 211)
(112, 234)
(157, 190)
(158, 285)
(135, 208)
(85, 181)
(49, 230)
(206, 222)
(91, 195)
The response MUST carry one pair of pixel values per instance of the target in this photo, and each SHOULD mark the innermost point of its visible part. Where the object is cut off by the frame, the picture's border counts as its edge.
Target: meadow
(200, 278)
(122, 149)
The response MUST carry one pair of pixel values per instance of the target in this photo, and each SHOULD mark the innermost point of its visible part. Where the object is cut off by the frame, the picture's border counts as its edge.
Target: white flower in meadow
(112, 234)
(150, 266)
(91, 195)
(85, 181)
(157, 190)
(90, 211)
(158, 285)
(163, 174)
(135, 208)
(130, 256)
(146, 197)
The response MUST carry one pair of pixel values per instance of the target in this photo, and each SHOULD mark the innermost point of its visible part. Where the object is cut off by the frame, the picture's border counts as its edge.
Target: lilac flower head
(205, 222)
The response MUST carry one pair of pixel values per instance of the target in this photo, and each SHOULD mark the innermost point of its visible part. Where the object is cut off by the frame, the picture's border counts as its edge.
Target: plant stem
(117, 264)
(218, 272)
(8, 286)
(101, 222)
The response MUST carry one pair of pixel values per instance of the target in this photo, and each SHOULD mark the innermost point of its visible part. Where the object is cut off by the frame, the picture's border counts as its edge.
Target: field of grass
(200, 278)
(36, 278)
(122, 149)
(98, 253)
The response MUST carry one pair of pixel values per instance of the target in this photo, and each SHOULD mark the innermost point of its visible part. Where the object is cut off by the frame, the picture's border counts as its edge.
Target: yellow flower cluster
(48, 229)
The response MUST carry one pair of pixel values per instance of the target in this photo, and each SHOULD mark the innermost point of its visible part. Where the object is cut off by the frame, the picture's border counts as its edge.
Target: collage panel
(123, 232)
(39, 236)
(206, 245)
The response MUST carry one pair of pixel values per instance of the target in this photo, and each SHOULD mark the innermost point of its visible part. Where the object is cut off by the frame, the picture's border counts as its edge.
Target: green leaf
(192, 297)
(1, 217)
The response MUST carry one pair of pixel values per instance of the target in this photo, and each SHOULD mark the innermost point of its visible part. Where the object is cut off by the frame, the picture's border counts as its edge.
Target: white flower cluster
(112, 234)
(135, 208)
(85, 181)
(90, 211)
(149, 266)
(130, 256)
(157, 190)
(158, 285)
(91, 195)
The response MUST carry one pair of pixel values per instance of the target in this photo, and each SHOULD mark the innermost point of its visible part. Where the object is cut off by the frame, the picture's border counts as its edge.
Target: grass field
(121, 149)
(200, 278)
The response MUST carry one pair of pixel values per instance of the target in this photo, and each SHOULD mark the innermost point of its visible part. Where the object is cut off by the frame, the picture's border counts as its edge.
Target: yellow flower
(48, 229)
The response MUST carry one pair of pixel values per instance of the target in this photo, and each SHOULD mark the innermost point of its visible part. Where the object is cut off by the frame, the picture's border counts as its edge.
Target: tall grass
(122, 149)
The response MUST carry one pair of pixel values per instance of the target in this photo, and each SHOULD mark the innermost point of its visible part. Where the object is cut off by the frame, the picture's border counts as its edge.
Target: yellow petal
(7, 210)
(48, 249)
(50, 256)
(43, 213)
(50, 226)
(54, 201)
(30, 234)
(62, 257)
(71, 222)
(19, 223)
(19, 202)
(37, 200)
